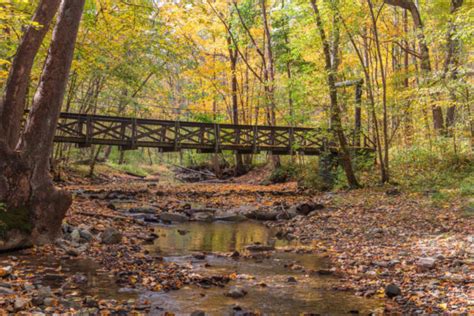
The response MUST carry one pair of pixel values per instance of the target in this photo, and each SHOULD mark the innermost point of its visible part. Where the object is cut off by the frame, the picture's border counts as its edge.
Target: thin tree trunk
(408, 115)
(385, 174)
(269, 74)
(409, 5)
(335, 112)
(233, 57)
(93, 160)
(365, 62)
(452, 61)
(358, 115)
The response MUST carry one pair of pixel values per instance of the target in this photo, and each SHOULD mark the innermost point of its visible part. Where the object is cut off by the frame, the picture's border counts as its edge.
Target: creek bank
(370, 237)
(372, 240)
(395, 245)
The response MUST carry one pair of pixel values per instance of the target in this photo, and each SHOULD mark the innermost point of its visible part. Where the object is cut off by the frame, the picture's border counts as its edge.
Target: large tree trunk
(13, 105)
(335, 111)
(34, 209)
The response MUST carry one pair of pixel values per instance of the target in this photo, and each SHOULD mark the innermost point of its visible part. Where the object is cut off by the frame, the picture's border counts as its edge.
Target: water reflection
(215, 237)
(92, 279)
(311, 294)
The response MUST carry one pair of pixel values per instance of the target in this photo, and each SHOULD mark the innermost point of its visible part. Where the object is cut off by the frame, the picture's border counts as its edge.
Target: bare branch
(259, 51)
(235, 43)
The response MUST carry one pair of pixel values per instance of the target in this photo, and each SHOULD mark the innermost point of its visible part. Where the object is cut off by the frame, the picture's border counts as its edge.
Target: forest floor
(372, 237)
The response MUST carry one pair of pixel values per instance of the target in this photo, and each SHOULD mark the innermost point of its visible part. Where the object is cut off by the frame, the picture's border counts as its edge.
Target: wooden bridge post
(255, 138)
(80, 126)
(217, 131)
(89, 131)
(237, 135)
(176, 136)
(201, 135)
(133, 138)
(291, 139)
(123, 130)
(163, 134)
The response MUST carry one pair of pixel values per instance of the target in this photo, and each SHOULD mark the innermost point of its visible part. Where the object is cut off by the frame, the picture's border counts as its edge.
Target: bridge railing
(131, 133)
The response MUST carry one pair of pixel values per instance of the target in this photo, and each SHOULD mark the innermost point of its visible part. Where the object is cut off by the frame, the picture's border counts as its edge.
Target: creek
(266, 279)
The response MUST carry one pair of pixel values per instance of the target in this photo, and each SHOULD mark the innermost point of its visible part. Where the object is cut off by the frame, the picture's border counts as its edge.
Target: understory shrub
(284, 173)
(442, 175)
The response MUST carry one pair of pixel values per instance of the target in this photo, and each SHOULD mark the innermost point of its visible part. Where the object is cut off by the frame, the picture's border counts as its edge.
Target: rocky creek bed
(243, 249)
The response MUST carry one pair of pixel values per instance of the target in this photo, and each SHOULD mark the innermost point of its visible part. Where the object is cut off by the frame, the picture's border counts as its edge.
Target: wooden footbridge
(168, 136)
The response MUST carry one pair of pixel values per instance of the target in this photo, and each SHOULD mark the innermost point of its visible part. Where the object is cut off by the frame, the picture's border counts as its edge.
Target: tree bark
(364, 61)
(233, 56)
(385, 170)
(424, 52)
(358, 114)
(453, 48)
(12, 106)
(406, 82)
(270, 76)
(34, 209)
(335, 111)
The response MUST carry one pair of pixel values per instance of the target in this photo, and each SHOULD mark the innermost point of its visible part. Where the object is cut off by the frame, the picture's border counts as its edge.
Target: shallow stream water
(310, 294)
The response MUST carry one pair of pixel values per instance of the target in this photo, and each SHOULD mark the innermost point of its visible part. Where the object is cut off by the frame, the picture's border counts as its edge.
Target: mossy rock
(14, 219)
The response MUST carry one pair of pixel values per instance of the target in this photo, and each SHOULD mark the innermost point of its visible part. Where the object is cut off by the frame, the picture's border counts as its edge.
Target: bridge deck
(131, 133)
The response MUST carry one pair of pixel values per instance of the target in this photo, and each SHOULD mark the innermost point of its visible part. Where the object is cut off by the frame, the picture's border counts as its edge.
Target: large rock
(144, 210)
(147, 218)
(392, 290)
(6, 291)
(259, 247)
(5, 271)
(86, 234)
(66, 228)
(306, 208)
(111, 236)
(202, 217)
(20, 304)
(76, 235)
(426, 263)
(236, 292)
(291, 279)
(193, 211)
(44, 292)
(243, 210)
(173, 217)
(230, 217)
(264, 214)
